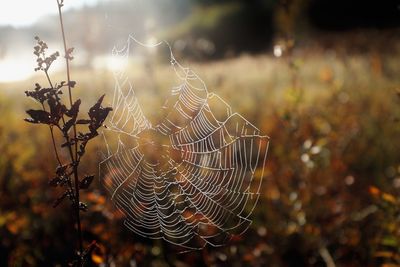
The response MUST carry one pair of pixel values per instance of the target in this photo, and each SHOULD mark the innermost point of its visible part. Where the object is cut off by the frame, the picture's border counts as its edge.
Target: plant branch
(75, 165)
(60, 116)
(52, 132)
(54, 146)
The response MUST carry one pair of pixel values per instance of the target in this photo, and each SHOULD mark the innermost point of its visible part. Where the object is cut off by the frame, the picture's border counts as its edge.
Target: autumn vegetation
(330, 196)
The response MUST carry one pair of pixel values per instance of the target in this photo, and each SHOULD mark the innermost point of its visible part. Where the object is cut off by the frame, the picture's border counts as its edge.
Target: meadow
(329, 196)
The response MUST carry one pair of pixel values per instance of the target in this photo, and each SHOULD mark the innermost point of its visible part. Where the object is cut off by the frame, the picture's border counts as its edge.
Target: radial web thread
(194, 178)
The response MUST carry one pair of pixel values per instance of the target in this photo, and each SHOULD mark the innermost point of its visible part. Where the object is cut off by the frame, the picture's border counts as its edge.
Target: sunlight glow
(111, 63)
(25, 12)
(278, 51)
(12, 70)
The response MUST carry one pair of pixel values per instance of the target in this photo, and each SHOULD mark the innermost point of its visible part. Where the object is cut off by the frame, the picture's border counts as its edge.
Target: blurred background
(320, 77)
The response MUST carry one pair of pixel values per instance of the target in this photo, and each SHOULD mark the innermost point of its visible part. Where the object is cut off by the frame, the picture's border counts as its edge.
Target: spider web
(191, 179)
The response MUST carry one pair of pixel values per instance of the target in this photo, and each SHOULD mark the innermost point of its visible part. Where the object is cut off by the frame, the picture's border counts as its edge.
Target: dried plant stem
(52, 134)
(51, 129)
(74, 156)
(54, 145)
(64, 118)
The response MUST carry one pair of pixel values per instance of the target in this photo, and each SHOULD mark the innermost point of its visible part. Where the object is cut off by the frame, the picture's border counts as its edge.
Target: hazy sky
(25, 12)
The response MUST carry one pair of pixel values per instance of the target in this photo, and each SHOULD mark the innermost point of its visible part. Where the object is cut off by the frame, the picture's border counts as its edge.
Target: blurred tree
(231, 27)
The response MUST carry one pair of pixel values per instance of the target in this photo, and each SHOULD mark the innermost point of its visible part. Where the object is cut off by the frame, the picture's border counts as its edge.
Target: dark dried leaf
(39, 94)
(82, 148)
(59, 86)
(87, 136)
(57, 109)
(68, 125)
(68, 54)
(72, 84)
(56, 181)
(83, 206)
(85, 182)
(39, 116)
(60, 170)
(60, 199)
(83, 121)
(92, 110)
(97, 115)
(70, 143)
(74, 110)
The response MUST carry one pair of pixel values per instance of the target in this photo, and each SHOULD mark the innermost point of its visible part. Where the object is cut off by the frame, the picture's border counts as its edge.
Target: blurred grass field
(333, 170)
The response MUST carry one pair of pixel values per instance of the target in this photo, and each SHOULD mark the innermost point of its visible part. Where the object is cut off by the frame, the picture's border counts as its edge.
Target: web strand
(203, 184)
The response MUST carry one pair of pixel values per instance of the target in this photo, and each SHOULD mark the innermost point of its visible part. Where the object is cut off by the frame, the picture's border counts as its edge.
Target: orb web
(191, 179)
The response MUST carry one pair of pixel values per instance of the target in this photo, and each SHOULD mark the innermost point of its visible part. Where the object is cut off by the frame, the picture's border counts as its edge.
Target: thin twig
(54, 146)
(52, 135)
(75, 166)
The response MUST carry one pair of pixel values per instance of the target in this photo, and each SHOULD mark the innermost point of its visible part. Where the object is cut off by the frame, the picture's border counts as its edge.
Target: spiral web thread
(202, 184)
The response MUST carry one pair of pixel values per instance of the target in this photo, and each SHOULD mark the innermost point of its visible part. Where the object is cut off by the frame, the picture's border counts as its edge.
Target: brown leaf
(85, 182)
(60, 199)
(39, 116)
(68, 125)
(61, 169)
(83, 206)
(82, 121)
(98, 114)
(55, 181)
(74, 110)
